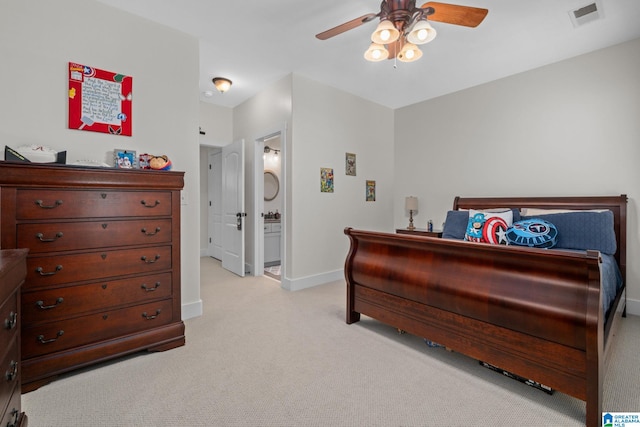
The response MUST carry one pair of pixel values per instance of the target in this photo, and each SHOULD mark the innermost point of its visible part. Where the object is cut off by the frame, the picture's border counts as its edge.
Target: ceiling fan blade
(455, 14)
(346, 26)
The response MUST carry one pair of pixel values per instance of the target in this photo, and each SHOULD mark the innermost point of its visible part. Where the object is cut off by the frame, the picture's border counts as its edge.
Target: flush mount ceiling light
(403, 26)
(222, 84)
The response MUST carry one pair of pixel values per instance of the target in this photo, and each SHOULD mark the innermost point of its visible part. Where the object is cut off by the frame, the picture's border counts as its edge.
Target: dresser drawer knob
(43, 206)
(148, 205)
(41, 306)
(41, 339)
(150, 261)
(144, 231)
(12, 372)
(11, 321)
(40, 271)
(152, 316)
(144, 286)
(40, 237)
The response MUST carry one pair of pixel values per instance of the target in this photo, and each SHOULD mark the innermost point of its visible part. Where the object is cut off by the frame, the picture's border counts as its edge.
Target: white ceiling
(257, 42)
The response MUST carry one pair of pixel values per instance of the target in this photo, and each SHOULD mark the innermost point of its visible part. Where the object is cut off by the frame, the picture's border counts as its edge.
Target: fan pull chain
(395, 57)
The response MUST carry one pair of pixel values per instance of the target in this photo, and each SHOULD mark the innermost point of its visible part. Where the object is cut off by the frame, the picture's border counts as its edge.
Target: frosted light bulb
(385, 35)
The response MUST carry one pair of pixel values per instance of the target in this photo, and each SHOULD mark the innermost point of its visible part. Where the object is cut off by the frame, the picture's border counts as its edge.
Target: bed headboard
(616, 204)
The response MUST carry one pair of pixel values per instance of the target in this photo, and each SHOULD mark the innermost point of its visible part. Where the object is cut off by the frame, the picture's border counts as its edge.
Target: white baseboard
(633, 307)
(311, 281)
(192, 309)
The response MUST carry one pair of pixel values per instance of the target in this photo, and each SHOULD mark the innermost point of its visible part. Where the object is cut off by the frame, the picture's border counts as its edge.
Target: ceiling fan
(403, 26)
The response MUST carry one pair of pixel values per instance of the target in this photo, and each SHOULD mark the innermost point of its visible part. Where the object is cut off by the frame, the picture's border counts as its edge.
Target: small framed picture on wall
(350, 164)
(326, 180)
(371, 191)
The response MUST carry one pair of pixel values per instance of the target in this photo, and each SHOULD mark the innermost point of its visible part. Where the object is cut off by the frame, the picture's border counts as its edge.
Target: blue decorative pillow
(535, 232)
(455, 225)
(584, 230)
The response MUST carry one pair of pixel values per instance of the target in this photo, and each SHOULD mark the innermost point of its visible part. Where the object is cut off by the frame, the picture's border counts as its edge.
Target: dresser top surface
(62, 176)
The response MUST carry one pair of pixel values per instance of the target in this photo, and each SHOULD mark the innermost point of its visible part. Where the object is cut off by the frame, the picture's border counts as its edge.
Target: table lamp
(411, 204)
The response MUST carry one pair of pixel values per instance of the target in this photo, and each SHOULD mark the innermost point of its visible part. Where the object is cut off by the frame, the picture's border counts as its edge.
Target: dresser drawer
(9, 370)
(64, 236)
(78, 331)
(8, 319)
(57, 269)
(54, 304)
(53, 204)
(13, 413)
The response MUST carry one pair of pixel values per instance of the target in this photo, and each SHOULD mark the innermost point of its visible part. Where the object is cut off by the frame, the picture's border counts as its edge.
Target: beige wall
(569, 128)
(327, 123)
(39, 38)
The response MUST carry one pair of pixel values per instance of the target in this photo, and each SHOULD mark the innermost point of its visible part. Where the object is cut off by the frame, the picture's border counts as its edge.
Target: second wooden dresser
(103, 271)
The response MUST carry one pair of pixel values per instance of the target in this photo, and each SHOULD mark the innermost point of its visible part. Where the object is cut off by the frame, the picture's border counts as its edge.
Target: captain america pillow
(535, 232)
(488, 227)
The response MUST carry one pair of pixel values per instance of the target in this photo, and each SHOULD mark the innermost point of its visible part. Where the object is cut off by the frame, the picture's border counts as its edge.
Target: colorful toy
(160, 163)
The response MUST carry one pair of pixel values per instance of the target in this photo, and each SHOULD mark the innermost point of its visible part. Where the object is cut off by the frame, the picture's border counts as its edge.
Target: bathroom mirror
(271, 186)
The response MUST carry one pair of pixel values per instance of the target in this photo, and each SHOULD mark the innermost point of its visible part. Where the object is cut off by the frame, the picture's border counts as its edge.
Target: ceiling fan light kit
(409, 53)
(385, 33)
(376, 52)
(403, 26)
(421, 33)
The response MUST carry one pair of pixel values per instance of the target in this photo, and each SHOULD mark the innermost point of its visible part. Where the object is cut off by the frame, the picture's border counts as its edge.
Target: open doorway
(272, 206)
(269, 204)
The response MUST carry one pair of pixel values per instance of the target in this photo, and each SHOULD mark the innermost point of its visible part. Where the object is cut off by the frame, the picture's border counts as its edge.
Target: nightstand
(420, 232)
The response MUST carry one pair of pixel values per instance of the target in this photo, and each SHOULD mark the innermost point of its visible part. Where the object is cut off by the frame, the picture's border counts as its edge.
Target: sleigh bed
(541, 314)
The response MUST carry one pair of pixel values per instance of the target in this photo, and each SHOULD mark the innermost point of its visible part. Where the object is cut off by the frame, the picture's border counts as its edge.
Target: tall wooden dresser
(13, 269)
(103, 271)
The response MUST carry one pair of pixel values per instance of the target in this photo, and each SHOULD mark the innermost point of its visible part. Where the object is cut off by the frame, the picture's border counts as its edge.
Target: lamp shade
(385, 33)
(411, 203)
(421, 33)
(222, 84)
(376, 52)
(409, 53)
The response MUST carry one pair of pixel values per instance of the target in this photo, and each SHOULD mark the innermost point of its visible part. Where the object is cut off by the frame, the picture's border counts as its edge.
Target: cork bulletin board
(99, 100)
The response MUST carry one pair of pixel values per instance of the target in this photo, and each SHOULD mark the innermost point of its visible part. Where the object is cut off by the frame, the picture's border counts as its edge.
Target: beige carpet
(262, 356)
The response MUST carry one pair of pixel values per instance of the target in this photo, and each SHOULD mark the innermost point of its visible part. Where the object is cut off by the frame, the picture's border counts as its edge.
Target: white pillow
(536, 211)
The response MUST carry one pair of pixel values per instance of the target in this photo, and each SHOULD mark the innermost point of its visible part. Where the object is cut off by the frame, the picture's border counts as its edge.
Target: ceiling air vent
(588, 13)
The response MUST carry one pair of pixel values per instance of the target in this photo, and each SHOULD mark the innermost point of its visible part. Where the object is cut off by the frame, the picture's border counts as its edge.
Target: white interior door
(233, 217)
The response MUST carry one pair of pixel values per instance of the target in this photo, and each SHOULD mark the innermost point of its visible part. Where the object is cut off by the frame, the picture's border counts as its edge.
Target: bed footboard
(534, 312)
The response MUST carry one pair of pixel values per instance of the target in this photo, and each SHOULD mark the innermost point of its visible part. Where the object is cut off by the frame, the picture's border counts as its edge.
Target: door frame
(258, 199)
(214, 193)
